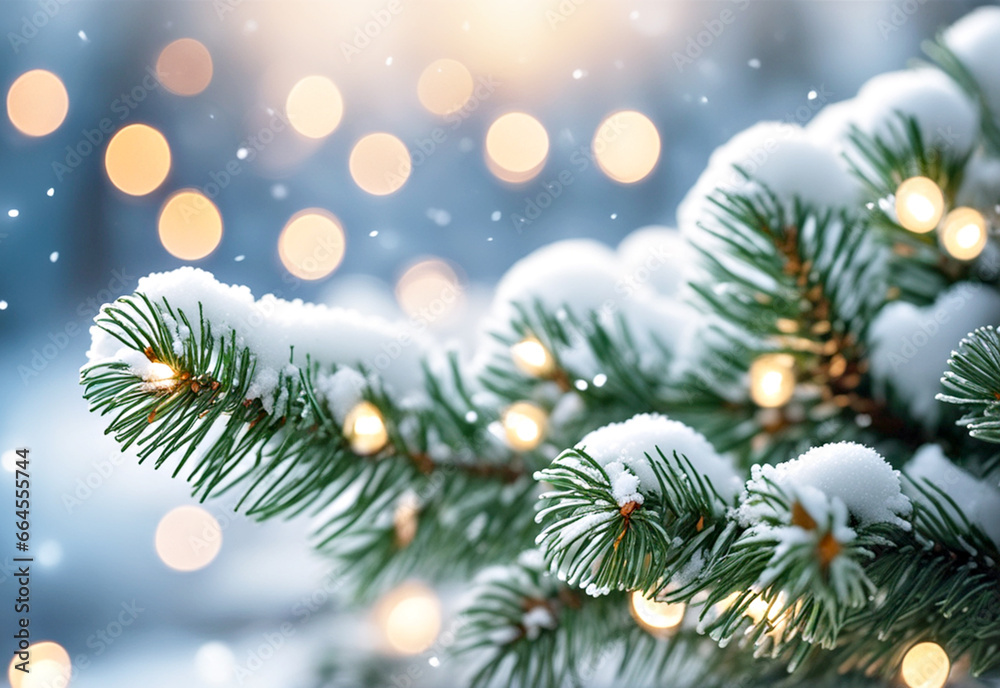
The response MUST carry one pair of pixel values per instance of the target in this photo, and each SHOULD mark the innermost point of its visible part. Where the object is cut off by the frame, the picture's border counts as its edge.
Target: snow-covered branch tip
(973, 381)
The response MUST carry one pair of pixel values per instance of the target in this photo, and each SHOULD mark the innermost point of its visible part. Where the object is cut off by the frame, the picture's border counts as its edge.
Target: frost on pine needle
(629, 442)
(979, 500)
(856, 475)
(270, 327)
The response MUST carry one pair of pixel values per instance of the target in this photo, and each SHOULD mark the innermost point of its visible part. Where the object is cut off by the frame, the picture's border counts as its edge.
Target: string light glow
(380, 164)
(772, 380)
(654, 616)
(919, 204)
(188, 538)
(190, 225)
(365, 430)
(406, 519)
(312, 244)
(532, 358)
(524, 425)
(314, 107)
(445, 86)
(925, 665)
(430, 289)
(516, 147)
(963, 233)
(37, 103)
(410, 618)
(626, 146)
(184, 67)
(50, 667)
(137, 159)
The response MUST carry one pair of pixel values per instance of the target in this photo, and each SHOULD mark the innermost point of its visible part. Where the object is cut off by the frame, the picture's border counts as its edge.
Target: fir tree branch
(973, 381)
(295, 460)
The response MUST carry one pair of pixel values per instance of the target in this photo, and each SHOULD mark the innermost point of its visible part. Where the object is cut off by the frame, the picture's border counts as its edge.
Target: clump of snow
(585, 277)
(975, 40)
(628, 443)
(980, 182)
(342, 391)
(535, 619)
(831, 516)
(270, 327)
(784, 157)
(856, 475)
(945, 114)
(979, 500)
(580, 274)
(624, 483)
(910, 345)
(658, 256)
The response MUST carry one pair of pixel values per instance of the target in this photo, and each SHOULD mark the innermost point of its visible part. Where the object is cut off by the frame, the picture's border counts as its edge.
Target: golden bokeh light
(925, 665)
(188, 538)
(516, 147)
(365, 429)
(190, 225)
(410, 618)
(312, 244)
(380, 163)
(963, 233)
(50, 667)
(445, 86)
(314, 106)
(524, 425)
(184, 67)
(626, 146)
(919, 204)
(772, 380)
(532, 358)
(37, 103)
(429, 289)
(656, 617)
(137, 159)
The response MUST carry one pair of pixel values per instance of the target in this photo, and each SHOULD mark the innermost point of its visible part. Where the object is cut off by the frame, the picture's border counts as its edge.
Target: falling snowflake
(442, 218)
(54, 256)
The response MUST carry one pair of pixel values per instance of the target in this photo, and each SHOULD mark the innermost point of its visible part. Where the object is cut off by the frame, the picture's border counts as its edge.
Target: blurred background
(424, 147)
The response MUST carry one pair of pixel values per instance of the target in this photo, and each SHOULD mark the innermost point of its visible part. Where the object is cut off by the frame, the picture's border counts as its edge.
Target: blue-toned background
(567, 64)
